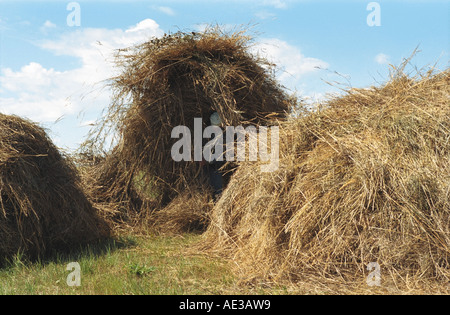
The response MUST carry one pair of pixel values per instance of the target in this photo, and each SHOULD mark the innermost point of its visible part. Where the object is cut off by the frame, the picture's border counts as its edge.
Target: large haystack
(166, 83)
(42, 206)
(365, 179)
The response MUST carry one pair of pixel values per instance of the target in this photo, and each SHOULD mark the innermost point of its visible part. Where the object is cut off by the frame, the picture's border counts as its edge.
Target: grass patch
(132, 265)
(156, 265)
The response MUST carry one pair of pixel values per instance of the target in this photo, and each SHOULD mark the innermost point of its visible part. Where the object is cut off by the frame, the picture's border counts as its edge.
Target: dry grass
(42, 205)
(188, 212)
(364, 179)
(166, 83)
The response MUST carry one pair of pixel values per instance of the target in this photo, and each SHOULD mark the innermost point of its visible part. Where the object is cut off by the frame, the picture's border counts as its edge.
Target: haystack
(42, 206)
(364, 179)
(166, 83)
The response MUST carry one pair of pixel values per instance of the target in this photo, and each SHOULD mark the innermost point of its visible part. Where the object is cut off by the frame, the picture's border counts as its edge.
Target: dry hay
(42, 206)
(364, 179)
(165, 83)
(187, 213)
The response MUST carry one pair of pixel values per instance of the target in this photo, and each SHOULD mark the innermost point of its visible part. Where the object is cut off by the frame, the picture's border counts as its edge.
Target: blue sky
(54, 73)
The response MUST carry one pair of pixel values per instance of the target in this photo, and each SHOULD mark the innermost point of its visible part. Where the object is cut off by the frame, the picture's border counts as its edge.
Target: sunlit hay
(166, 83)
(43, 208)
(365, 179)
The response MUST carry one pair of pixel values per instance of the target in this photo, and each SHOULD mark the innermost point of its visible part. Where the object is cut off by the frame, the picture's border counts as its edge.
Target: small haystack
(365, 179)
(165, 83)
(42, 206)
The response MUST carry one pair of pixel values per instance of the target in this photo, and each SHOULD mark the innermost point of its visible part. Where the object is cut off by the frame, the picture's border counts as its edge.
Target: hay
(187, 213)
(42, 206)
(166, 83)
(364, 179)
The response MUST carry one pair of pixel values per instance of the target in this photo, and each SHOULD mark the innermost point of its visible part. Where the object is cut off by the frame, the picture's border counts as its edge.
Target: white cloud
(166, 10)
(79, 95)
(278, 4)
(44, 95)
(293, 64)
(382, 59)
(35, 92)
(49, 24)
(145, 26)
(47, 27)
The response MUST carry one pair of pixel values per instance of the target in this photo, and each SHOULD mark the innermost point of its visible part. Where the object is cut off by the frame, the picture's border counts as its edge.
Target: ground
(160, 265)
(131, 265)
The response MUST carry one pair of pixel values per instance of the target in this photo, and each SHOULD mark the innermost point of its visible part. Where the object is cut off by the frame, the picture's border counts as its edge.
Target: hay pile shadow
(165, 83)
(42, 205)
(364, 179)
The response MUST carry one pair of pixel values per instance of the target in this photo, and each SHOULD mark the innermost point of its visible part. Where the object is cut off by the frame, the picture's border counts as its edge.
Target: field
(154, 265)
(130, 265)
(358, 202)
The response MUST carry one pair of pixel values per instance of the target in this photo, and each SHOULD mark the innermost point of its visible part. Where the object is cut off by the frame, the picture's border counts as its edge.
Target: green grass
(151, 265)
(132, 265)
